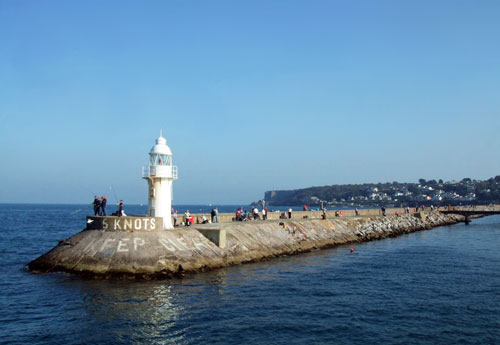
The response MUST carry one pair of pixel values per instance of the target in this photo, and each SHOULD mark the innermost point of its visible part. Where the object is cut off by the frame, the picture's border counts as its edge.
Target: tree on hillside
(413, 188)
(487, 191)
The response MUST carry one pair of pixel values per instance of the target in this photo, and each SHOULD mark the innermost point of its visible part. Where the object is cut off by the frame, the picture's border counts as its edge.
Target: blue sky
(251, 95)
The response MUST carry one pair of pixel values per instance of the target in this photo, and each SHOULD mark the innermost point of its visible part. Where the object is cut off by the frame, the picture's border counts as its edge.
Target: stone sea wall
(159, 254)
(229, 217)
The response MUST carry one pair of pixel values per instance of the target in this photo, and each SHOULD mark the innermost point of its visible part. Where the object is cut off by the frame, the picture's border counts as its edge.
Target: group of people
(244, 215)
(287, 215)
(100, 207)
(187, 216)
(241, 214)
(189, 219)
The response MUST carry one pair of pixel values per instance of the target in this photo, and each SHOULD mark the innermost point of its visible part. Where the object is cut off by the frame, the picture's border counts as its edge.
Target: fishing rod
(114, 194)
(86, 190)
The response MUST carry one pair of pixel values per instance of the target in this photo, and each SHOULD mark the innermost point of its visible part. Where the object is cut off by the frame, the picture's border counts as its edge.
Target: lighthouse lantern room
(160, 173)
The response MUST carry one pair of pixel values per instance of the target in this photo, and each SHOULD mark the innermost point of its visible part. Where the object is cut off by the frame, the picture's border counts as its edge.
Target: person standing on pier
(97, 205)
(212, 214)
(120, 209)
(216, 218)
(290, 213)
(255, 213)
(103, 205)
(176, 217)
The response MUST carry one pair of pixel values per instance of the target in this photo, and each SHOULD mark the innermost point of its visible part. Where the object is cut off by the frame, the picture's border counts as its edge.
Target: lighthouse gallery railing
(169, 171)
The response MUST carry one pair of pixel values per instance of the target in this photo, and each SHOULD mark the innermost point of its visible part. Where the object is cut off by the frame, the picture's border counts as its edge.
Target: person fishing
(104, 200)
(120, 209)
(97, 205)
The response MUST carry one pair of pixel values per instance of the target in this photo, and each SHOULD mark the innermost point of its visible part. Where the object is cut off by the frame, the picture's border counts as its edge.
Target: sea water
(440, 286)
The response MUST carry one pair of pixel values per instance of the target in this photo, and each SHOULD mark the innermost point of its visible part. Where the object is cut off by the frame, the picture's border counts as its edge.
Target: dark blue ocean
(440, 286)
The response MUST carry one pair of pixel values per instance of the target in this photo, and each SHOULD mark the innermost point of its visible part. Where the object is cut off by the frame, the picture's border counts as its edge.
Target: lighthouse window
(164, 160)
(160, 159)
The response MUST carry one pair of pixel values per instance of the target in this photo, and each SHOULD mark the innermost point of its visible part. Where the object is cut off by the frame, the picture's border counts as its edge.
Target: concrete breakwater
(165, 253)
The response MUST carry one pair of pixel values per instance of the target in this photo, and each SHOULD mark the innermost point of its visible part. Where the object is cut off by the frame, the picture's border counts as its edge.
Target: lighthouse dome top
(161, 147)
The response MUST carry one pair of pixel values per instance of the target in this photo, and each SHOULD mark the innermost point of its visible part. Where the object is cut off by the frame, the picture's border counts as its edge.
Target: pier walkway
(332, 213)
(472, 211)
(310, 214)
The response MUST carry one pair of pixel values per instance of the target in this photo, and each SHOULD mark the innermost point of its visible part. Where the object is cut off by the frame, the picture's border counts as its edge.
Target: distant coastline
(431, 192)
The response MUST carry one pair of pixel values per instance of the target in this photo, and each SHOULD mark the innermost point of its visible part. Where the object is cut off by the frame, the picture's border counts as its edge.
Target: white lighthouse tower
(160, 173)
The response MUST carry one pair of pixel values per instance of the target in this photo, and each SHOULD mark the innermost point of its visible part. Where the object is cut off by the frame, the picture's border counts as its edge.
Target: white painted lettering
(179, 246)
(90, 247)
(153, 223)
(167, 245)
(146, 221)
(116, 225)
(122, 247)
(183, 242)
(128, 224)
(105, 224)
(198, 244)
(106, 241)
(138, 242)
(137, 224)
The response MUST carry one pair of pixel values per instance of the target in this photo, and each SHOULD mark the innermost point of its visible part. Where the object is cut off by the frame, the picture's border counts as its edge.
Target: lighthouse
(160, 173)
